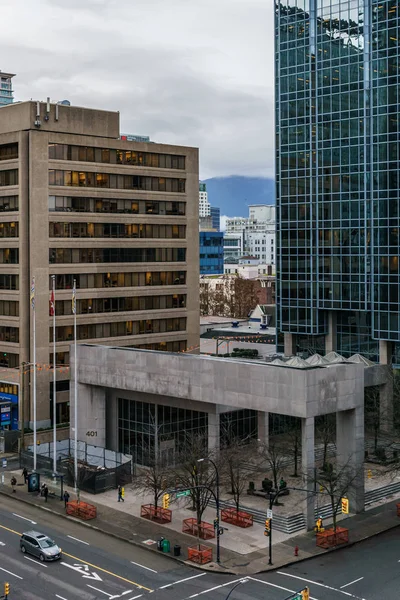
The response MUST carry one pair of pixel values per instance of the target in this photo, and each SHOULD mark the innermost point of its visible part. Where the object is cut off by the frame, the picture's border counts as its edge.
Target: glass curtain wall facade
(337, 105)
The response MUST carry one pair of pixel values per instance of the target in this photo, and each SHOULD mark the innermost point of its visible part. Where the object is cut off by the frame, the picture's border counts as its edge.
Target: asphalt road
(95, 566)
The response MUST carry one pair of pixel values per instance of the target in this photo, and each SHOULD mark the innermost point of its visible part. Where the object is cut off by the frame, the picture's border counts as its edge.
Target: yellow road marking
(142, 587)
(11, 530)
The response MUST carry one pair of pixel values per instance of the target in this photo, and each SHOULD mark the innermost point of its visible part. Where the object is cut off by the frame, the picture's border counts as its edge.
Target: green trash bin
(166, 546)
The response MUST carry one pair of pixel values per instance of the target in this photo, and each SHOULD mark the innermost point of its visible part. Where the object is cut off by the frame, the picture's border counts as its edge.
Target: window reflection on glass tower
(338, 167)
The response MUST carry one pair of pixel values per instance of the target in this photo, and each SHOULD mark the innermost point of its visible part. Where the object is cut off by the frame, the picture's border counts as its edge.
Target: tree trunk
(333, 514)
(296, 458)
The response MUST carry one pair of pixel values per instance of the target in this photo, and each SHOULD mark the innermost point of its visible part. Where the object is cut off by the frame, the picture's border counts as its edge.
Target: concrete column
(263, 429)
(331, 338)
(385, 352)
(350, 454)
(213, 432)
(111, 422)
(386, 390)
(91, 414)
(308, 464)
(289, 344)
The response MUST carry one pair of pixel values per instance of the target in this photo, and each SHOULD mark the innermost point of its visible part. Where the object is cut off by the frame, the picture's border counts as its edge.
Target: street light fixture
(200, 460)
(235, 586)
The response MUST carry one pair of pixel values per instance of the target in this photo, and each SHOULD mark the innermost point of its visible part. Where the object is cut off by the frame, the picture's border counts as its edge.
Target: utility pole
(22, 408)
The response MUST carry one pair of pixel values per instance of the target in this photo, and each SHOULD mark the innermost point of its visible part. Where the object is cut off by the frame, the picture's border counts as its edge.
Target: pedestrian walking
(45, 492)
(13, 483)
(120, 494)
(25, 474)
(66, 498)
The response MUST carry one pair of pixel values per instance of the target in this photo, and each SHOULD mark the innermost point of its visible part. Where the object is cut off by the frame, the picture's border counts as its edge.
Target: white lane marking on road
(2, 544)
(9, 572)
(181, 581)
(82, 569)
(327, 587)
(279, 587)
(25, 519)
(97, 590)
(135, 597)
(217, 587)
(123, 594)
(35, 561)
(61, 597)
(351, 583)
(78, 540)
(143, 567)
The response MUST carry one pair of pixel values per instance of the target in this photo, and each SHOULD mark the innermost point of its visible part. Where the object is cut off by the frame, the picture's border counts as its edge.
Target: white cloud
(192, 73)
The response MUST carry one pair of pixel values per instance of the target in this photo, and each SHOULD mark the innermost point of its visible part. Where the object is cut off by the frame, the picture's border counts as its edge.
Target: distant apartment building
(233, 246)
(6, 91)
(257, 233)
(204, 205)
(215, 213)
(118, 217)
(211, 252)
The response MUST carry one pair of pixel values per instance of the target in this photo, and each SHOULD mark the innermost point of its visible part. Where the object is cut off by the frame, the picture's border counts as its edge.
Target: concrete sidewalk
(120, 523)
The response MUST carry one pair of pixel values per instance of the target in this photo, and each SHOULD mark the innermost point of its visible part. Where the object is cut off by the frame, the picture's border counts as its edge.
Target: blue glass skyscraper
(338, 167)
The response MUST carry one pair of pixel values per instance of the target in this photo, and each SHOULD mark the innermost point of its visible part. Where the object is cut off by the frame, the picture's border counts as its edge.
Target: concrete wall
(228, 382)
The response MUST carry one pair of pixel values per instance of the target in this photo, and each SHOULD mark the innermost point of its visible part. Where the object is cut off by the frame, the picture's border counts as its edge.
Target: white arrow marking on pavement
(82, 569)
(25, 519)
(120, 595)
(2, 544)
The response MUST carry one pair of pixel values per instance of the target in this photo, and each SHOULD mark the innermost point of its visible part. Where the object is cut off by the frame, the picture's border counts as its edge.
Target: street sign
(184, 493)
(269, 513)
(220, 531)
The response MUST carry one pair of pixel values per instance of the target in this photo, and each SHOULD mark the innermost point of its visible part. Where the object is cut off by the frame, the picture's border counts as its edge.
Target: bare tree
(336, 482)
(154, 479)
(275, 455)
(193, 475)
(247, 293)
(325, 427)
(294, 438)
(236, 466)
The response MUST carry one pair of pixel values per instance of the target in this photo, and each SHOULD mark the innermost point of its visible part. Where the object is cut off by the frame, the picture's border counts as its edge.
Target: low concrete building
(132, 399)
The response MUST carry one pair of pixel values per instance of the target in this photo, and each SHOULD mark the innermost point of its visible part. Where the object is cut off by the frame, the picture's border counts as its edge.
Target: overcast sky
(192, 72)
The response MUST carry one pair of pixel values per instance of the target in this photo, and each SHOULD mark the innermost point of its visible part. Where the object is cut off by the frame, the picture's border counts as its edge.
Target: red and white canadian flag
(52, 306)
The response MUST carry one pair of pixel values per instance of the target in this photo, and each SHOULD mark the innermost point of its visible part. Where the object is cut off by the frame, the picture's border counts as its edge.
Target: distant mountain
(234, 194)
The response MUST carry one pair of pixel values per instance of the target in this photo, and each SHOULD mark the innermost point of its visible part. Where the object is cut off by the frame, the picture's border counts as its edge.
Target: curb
(118, 537)
(331, 550)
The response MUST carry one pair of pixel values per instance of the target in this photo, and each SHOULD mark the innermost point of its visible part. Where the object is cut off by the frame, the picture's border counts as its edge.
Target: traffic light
(305, 594)
(267, 530)
(345, 506)
(165, 501)
(6, 589)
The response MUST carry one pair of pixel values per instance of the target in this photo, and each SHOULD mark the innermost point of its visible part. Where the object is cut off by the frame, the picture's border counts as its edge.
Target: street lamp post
(216, 503)
(235, 586)
(273, 495)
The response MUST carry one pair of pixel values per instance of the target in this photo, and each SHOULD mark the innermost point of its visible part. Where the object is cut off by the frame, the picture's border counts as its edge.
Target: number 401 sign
(91, 433)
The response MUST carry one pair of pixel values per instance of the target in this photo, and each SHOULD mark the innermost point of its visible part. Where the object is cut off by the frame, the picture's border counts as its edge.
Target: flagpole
(53, 308)
(75, 391)
(34, 374)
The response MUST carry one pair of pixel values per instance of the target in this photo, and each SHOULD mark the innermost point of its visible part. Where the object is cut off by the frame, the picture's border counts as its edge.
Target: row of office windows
(9, 308)
(110, 180)
(114, 230)
(9, 282)
(105, 305)
(10, 229)
(9, 177)
(9, 360)
(9, 334)
(8, 151)
(116, 157)
(8, 203)
(116, 255)
(9, 256)
(106, 280)
(62, 358)
(114, 205)
(119, 329)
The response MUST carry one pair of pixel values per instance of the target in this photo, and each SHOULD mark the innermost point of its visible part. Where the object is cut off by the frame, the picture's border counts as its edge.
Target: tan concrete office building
(120, 217)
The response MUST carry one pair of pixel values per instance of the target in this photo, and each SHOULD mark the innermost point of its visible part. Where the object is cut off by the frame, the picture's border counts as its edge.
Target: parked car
(39, 545)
